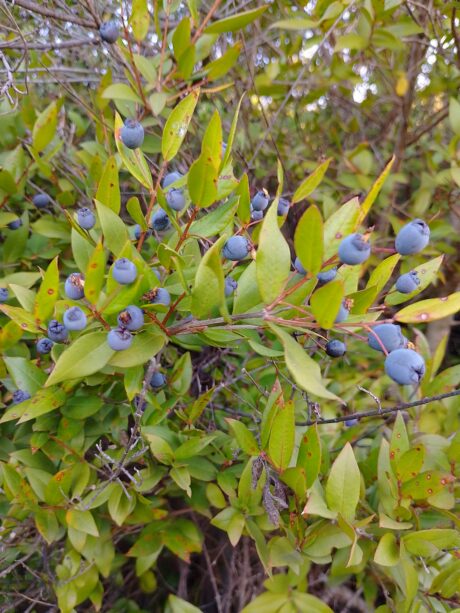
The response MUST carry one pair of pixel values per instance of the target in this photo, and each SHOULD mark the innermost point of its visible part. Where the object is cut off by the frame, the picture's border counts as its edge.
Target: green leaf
(47, 295)
(425, 484)
(82, 521)
(133, 159)
(208, 291)
(204, 172)
(244, 437)
(429, 310)
(343, 484)
(409, 463)
(181, 376)
(143, 348)
(387, 552)
(134, 209)
(282, 436)
(25, 320)
(139, 19)
(235, 22)
(308, 240)
(427, 274)
(45, 127)
(219, 68)
(309, 456)
(231, 135)
(202, 182)
(25, 374)
(341, 223)
(177, 605)
(95, 273)
(311, 182)
(454, 115)
(273, 259)
(381, 274)
(43, 401)
(119, 505)
(177, 125)
(325, 303)
(121, 91)
(430, 542)
(85, 356)
(108, 190)
(215, 221)
(399, 443)
(295, 23)
(351, 41)
(303, 368)
(375, 190)
(113, 229)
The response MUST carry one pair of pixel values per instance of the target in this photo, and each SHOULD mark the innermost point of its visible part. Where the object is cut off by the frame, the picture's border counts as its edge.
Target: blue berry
(108, 31)
(351, 422)
(170, 178)
(176, 199)
(119, 339)
(256, 215)
(335, 348)
(299, 268)
(131, 318)
(57, 332)
(41, 200)
(132, 134)
(158, 380)
(74, 319)
(408, 282)
(14, 225)
(159, 295)
(405, 366)
(3, 294)
(342, 315)
(389, 334)
(354, 249)
(74, 286)
(283, 207)
(413, 237)
(86, 218)
(20, 396)
(124, 271)
(260, 200)
(138, 232)
(236, 248)
(230, 286)
(327, 275)
(161, 221)
(44, 345)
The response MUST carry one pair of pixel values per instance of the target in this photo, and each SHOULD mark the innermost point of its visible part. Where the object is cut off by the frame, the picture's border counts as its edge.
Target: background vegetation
(237, 485)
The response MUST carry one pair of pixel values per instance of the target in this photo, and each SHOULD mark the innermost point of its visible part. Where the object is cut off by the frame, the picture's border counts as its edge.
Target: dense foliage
(228, 239)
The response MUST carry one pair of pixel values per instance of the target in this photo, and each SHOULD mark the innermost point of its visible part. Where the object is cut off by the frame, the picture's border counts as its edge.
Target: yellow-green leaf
(325, 303)
(273, 260)
(177, 125)
(375, 190)
(303, 368)
(311, 182)
(235, 22)
(282, 436)
(47, 295)
(429, 310)
(343, 484)
(308, 240)
(108, 190)
(45, 127)
(208, 291)
(85, 356)
(133, 159)
(95, 272)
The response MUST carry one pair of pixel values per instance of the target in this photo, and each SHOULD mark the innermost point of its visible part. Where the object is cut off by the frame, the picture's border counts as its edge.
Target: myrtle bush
(220, 390)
